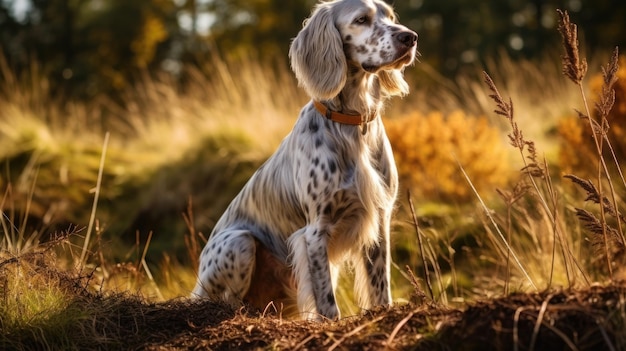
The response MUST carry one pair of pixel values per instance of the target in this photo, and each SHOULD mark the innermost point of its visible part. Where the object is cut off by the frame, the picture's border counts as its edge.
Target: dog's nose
(408, 38)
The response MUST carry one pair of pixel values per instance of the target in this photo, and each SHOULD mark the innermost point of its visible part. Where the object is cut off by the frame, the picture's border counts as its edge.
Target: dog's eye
(361, 20)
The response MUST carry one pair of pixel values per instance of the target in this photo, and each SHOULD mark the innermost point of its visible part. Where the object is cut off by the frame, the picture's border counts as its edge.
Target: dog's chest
(342, 175)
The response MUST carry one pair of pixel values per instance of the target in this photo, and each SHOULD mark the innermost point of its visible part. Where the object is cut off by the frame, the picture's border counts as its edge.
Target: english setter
(327, 194)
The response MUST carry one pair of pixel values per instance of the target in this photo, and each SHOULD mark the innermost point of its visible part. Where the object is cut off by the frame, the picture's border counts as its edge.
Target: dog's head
(351, 34)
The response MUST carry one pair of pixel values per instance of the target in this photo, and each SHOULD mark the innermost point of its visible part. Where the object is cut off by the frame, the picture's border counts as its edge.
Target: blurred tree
(263, 25)
(9, 31)
(120, 38)
(603, 23)
(92, 47)
(459, 32)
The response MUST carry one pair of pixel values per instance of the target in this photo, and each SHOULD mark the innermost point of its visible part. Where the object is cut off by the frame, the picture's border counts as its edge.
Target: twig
(413, 280)
(92, 217)
(397, 328)
(303, 342)
(354, 331)
(518, 312)
(267, 308)
(542, 312)
(147, 269)
(20, 241)
(419, 241)
(4, 219)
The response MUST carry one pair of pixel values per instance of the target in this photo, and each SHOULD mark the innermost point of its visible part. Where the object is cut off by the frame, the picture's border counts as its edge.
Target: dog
(326, 196)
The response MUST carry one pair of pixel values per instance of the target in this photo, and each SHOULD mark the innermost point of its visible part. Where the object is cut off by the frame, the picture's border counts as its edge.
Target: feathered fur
(327, 193)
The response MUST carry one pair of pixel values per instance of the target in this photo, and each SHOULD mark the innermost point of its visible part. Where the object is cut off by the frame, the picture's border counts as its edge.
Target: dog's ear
(392, 83)
(317, 56)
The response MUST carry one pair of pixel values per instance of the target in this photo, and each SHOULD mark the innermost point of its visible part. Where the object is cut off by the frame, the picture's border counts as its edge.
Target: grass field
(105, 207)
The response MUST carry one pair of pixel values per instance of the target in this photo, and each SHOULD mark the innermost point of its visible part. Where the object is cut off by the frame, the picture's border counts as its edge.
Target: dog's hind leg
(227, 263)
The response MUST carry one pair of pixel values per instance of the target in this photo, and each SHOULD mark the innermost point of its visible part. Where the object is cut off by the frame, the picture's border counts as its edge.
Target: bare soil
(593, 318)
(589, 319)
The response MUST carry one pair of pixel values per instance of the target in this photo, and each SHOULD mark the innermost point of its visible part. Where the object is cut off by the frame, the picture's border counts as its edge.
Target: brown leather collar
(337, 116)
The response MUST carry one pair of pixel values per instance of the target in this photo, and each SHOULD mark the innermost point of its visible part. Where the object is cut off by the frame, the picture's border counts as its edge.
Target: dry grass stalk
(191, 238)
(595, 226)
(92, 217)
(609, 75)
(574, 67)
(539, 321)
(420, 295)
(395, 331)
(355, 331)
(421, 246)
(534, 169)
(596, 128)
(604, 106)
(593, 195)
(516, 137)
(488, 213)
(510, 198)
(604, 234)
(607, 101)
(505, 109)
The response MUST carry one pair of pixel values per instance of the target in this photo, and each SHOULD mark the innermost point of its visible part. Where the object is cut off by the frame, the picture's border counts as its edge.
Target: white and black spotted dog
(327, 194)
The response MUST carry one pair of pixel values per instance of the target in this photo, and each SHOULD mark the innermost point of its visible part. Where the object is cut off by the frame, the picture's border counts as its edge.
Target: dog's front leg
(319, 266)
(313, 274)
(373, 269)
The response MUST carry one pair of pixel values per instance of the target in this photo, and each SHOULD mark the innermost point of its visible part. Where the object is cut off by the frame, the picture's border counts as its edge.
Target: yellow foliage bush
(425, 148)
(578, 151)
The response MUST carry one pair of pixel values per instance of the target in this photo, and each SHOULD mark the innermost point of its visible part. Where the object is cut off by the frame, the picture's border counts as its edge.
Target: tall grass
(575, 69)
(536, 216)
(164, 132)
(226, 119)
(188, 147)
(563, 258)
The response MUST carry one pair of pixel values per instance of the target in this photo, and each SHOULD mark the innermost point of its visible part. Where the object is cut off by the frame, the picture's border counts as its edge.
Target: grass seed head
(574, 67)
(609, 76)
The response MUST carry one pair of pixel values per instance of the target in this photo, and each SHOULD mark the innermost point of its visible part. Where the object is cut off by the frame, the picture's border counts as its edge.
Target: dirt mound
(590, 319)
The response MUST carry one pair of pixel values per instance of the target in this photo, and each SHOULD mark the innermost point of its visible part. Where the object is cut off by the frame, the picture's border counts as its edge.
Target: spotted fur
(326, 195)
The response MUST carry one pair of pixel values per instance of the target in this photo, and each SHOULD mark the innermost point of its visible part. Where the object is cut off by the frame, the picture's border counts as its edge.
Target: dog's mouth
(403, 58)
(407, 57)
(370, 68)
